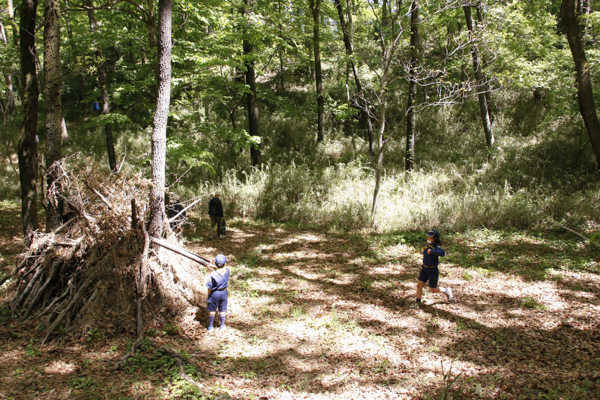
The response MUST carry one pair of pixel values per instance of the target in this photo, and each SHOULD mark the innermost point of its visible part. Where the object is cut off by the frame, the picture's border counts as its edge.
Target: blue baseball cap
(221, 259)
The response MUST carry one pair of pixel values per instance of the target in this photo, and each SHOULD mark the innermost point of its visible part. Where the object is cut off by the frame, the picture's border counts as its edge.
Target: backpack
(223, 228)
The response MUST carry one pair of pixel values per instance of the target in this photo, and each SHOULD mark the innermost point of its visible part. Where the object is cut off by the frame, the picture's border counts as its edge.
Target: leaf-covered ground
(319, 315)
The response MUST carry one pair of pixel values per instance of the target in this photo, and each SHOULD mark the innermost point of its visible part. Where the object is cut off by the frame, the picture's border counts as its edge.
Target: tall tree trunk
(79, 77)
(112, 160)
(412, 87)
(53, 109)
(252, 95)
(364, 112)
(585, 96)
(27, 150)
(315, 7)
(159, 131)
(481, 80)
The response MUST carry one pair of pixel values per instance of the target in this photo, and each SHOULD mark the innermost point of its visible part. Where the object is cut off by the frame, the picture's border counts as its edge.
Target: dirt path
(325, 316)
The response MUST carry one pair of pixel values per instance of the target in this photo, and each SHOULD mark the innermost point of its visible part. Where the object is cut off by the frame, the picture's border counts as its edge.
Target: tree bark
(253, 126)
(585, 95)
(159, 131)
(27, 150)
(481, 80)
(412, 87)
(53, 109)
(315, 7)
(364, 112)
(112, 159)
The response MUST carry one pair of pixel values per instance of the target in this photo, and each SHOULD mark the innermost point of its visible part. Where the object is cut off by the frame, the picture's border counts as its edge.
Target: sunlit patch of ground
(325, 316)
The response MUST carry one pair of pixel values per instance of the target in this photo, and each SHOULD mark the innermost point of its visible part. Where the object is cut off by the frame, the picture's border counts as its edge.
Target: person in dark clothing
(215, 211)
(429, 270)
(217, 284)
(175, 208)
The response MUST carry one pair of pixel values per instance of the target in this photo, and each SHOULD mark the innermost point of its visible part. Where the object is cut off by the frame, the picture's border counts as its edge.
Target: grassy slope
(324, 315)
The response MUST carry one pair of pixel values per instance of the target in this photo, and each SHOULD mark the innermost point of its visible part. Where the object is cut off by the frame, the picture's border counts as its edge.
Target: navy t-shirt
(218, 279)
(431, 260)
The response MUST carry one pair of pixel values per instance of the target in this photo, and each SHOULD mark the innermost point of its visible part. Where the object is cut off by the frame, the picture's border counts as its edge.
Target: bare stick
(56, 300)
(99, 195)
(75, 299)
(124, 155)
(28, 288)
(134, 217)
(182, 211)
(183, 252)
(40, 292)
(577, 233)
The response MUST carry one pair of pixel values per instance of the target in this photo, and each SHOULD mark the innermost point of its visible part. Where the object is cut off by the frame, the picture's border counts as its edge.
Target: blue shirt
(431, 260)
(218, 279)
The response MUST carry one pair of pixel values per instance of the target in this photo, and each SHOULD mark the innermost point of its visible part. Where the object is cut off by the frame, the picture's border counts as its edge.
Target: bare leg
(420, 286)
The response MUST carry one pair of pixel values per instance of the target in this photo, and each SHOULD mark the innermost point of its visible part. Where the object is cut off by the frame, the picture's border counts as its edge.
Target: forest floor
(320, 315)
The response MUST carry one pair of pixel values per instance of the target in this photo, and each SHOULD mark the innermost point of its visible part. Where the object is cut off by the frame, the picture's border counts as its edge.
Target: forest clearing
(318, 315)
(354, 152)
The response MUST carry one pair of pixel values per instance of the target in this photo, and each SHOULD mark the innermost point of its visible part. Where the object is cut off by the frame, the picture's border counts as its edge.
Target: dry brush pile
(98, 267)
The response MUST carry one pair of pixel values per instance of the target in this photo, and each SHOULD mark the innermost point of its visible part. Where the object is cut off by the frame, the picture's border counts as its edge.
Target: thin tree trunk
(481, 81)
(53, 109)
(412, 87)
(112, 159)
(380, 148)
(27, 150)
(585, 95)
(315, 7)
(253, 126)
(159, 131)
(488, 94)
(364, 113)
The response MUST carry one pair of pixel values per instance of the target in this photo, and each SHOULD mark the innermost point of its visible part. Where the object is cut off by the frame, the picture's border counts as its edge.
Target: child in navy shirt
(429, 270)
(217, 285)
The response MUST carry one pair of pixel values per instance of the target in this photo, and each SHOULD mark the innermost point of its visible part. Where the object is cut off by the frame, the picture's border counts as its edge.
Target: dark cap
(434, 234)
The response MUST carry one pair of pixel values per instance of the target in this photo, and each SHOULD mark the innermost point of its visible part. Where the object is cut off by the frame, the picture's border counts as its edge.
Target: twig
(180, 361)
(577, 233)
(99, 195)
(123, 161)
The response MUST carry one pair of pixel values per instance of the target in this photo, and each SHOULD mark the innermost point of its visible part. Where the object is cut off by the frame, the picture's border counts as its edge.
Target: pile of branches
(99, 266)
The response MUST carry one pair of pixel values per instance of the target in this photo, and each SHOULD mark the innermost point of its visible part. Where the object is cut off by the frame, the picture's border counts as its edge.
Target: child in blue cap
(217, 284)
(429, 270)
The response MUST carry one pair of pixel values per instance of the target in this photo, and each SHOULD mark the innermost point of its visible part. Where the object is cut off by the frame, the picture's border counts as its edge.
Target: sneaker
(222, 327)
(210, 329)
(415, 306)
(449, 294)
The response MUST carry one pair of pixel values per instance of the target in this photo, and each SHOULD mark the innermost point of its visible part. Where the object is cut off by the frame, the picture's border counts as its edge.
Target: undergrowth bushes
(340, 197)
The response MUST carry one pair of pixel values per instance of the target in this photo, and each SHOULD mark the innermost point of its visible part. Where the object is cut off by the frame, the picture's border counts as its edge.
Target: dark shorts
(430, 274)
(217, 301)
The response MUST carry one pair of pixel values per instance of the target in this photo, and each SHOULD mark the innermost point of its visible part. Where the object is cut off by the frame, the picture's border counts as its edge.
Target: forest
(346, 140)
